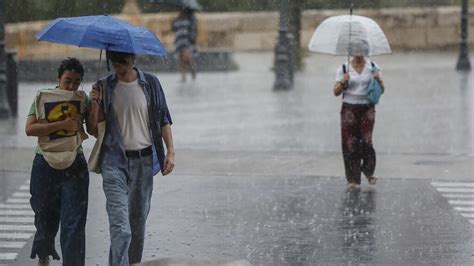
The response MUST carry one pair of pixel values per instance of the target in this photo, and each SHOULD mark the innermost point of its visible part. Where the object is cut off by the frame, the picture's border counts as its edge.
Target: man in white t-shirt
(137, 118)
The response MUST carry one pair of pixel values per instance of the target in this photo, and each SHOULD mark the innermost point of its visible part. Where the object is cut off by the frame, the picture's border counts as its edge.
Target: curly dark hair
(71, 64)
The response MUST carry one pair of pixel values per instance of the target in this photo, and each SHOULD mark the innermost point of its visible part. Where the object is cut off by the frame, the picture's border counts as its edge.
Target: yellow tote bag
(59, 148)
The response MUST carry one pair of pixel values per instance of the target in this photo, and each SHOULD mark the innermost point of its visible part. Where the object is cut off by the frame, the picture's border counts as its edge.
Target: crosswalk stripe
(464, 209)
(467, 190)
(15, 206)
(467, 215)
(17, 228)
(452, 184)
(18, 200)
(459, 196)
(16, 212)
(12, 244)
(21, 220)
(21, 195)
(25, 187)
(5, 236)
(8, 256)
(461, 202)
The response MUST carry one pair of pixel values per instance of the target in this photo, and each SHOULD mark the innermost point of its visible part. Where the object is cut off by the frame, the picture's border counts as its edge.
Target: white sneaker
(43, 261)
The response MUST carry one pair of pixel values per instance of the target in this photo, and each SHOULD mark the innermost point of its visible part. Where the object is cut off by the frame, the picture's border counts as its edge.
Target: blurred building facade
(406, 29)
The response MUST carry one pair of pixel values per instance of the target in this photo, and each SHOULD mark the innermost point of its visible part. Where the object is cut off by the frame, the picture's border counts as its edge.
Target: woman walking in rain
(357, 114)
(59, 177)
(185, 29)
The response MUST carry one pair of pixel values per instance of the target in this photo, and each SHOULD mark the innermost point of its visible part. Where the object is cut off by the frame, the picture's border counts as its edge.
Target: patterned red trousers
(357, 125)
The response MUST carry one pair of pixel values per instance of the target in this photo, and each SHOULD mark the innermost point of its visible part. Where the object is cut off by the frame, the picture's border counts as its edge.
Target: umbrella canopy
(349, 34)
(102, 32)
(190, 4)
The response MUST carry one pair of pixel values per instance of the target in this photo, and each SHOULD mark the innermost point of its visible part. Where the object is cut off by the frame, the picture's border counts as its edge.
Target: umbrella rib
(84, 33)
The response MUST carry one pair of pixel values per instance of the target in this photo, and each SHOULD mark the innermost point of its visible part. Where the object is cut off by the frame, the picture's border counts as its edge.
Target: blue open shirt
(113, 150)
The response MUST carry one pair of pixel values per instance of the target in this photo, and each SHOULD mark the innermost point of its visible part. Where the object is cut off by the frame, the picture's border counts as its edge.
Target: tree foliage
(28, 10)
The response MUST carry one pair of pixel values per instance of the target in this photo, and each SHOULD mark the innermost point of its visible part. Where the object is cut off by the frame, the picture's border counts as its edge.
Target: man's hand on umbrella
(95, 94)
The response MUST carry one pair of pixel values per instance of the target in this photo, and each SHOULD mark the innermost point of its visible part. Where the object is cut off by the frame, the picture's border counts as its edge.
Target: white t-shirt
(130, 106)
(356, 93)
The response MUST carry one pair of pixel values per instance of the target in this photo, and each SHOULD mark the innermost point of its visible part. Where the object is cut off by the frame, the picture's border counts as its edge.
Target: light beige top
(130, 106)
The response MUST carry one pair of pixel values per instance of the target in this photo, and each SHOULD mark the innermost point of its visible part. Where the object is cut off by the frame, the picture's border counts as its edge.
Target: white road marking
(16, 212)
(12, 244)
(461, 202)
(21, 195)
(5, 236)
(18, 200)
(467, 215)
(17, 228)
(464, 209)
(462, 190)
(452, 184)
(15, 206)
(8, 256)
(17, 220)
(16, 223)
(459, 196)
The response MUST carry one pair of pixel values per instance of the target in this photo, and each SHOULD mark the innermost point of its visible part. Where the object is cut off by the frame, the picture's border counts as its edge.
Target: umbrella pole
(349, 45)
(100, 64)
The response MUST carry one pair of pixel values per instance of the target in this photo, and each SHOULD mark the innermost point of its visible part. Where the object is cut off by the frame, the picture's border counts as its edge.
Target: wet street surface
(259, 173)
(294, 221)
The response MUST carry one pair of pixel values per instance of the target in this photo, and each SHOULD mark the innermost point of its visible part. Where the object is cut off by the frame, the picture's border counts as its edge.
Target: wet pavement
(259, 172)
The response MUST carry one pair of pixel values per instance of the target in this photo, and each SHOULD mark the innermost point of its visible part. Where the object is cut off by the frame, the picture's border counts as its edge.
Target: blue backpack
(375, 89)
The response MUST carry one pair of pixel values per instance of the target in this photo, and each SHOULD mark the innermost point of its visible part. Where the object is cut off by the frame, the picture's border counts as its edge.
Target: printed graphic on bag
(58, 111)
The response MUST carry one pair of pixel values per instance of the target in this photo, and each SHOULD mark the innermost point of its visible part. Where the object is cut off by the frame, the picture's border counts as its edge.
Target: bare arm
(168, 139)
(42, 128)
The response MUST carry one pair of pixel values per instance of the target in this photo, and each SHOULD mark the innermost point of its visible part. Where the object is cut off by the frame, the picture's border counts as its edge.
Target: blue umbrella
(102, 32)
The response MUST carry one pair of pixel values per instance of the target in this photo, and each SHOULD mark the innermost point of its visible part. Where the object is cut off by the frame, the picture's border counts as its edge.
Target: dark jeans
(60, 196)
(357, 125)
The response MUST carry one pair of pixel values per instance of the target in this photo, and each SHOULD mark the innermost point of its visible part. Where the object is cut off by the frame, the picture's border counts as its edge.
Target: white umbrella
(349, 34)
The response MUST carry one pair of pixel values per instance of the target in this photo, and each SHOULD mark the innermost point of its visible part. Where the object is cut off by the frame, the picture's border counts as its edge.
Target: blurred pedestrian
(357, 114)
(59, 177)
(185, 29)
(137, 118)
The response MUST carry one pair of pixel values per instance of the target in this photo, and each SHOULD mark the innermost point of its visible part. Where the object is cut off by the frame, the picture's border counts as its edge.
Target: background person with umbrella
(133, 105)
(185, 29)
(358, 37)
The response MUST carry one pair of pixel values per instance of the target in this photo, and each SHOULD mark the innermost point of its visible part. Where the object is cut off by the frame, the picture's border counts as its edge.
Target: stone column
(283, 52)
(4, 106)
(463, 60)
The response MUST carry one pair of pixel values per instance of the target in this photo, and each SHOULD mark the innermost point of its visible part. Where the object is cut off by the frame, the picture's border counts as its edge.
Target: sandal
(351, 184)
(372, 180)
